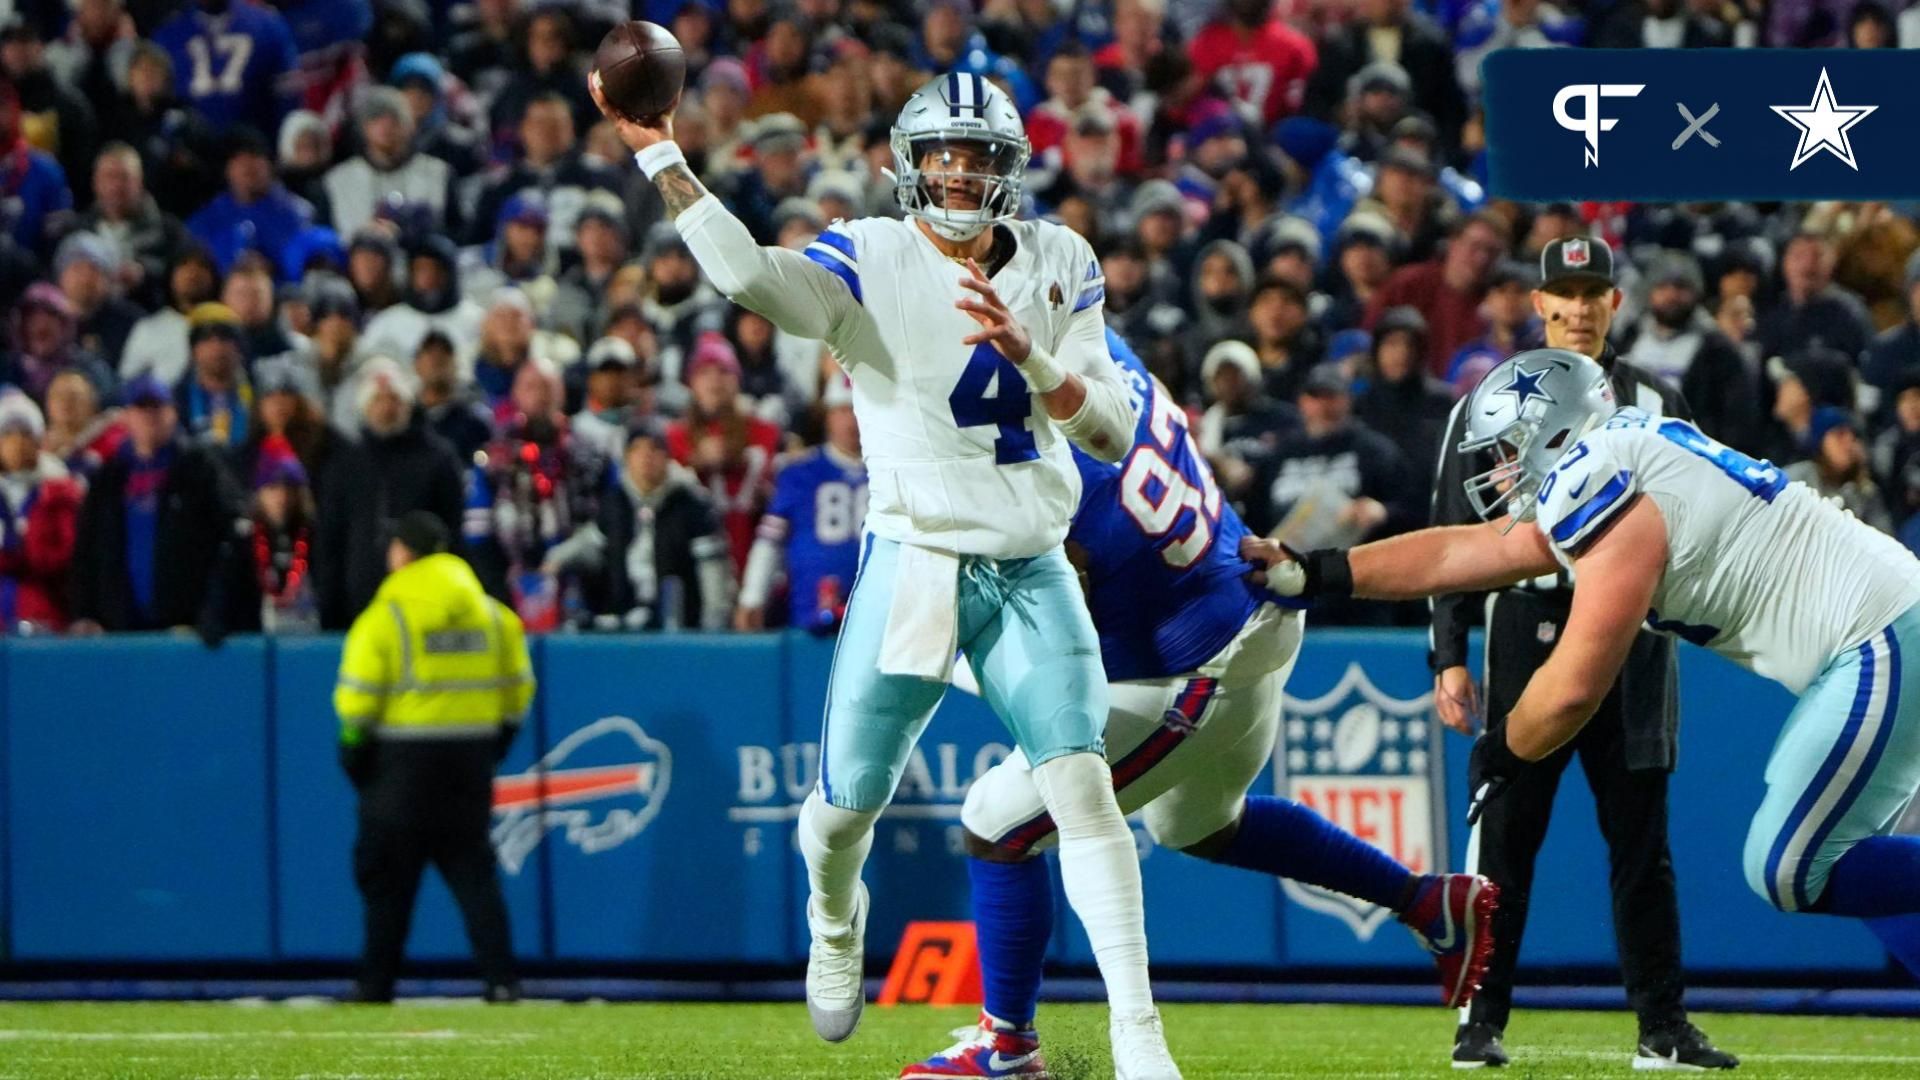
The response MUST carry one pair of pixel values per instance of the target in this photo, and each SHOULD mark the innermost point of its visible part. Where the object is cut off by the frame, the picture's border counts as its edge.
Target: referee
(433, 684)
(1627, 751)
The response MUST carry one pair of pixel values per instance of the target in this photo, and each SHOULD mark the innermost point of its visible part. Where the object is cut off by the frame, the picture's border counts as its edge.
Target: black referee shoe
(1477, 1046)
(1680, 1046)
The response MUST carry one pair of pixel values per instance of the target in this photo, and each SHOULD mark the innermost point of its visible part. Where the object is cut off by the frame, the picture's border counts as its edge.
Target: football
(640, 69)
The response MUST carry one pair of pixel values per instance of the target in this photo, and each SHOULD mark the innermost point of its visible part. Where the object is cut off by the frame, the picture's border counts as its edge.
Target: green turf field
(537, 1041)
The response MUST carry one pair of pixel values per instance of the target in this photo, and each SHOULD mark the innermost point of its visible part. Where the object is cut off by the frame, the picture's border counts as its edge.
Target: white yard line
(31, 1035)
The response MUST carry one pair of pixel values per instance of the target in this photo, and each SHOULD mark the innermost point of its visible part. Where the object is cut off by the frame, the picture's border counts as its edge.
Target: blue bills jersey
(233, 68)
(1165, 577)
(819, 509)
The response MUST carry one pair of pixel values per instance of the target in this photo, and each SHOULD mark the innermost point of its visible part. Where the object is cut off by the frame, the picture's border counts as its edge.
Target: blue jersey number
(1762, 479)
(1009, 407)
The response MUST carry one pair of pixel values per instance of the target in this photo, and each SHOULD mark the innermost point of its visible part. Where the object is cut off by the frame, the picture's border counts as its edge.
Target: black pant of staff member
(433, 684)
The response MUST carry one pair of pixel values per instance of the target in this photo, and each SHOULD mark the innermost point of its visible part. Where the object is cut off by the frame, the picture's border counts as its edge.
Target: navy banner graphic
(1674, 125)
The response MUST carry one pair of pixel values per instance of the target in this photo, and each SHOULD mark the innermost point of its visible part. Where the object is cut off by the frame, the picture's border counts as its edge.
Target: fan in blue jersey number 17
(980, 399)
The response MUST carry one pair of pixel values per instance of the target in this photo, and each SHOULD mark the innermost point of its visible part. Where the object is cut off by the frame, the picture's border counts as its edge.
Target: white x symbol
(1696, 127)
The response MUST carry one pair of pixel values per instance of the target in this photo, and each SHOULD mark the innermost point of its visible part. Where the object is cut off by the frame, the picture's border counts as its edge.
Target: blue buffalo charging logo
(598, 788)
(1369, 763)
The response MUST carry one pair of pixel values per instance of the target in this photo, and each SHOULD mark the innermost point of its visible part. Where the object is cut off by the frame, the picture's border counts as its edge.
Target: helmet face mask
(960, 156)
(1527, 413)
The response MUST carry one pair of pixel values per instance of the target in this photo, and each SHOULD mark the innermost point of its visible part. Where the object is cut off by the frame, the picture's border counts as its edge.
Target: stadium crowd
(278, 274)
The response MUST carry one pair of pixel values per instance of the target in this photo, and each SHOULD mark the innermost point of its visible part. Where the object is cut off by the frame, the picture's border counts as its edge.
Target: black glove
(1490, 770)
(503, 741)
(357, 762)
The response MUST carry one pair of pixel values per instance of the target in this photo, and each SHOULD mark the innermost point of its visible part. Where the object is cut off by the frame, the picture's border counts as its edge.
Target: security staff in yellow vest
(433, 685)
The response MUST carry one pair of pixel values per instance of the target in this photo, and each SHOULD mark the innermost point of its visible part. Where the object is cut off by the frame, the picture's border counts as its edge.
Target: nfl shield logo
(1370, 764)
(1574, 253)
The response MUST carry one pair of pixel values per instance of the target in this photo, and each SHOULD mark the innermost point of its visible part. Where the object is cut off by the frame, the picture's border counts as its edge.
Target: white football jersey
(1761, 570)
(960, 455)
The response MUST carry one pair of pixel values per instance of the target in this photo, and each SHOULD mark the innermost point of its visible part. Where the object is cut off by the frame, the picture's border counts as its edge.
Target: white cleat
(835, 968)
(1140, 1048)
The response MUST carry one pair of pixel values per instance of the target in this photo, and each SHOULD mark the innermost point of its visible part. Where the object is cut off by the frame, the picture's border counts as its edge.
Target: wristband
(661, 155)
(1042, 372)
(1328, 572)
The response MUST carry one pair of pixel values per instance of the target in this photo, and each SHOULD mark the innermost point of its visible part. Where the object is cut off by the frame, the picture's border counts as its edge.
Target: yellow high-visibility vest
(432, 657)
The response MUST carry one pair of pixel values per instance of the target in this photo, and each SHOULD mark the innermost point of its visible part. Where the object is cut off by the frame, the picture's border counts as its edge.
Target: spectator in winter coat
(1245, 422)
(580, 304)
(526, 492)
(156, 529)
(1391, 30)
(373, 258)
(606, 414)
(1897, 449)
(1401, 400)
(1222, 283)
(551, 165)
(453, 409)
(389, 167)
(1836, 466)
(519, 255)
(78, 432)
(146, 241)
(273, 573)
(730, 450)
(1677, 341)
(39, 512)
(549, 74)
(287, 415)
(434, 303)
(157, 345)
(249, 293)
(178, 147)
(422, 79)
(1508, 314)
(84, 270)
(255, 212)
(215, 398)
(397, 466)
(30, 179)
(656, 556)
(1811, 309)
(1814, 378)
(305, 156)
(44, 329)
(64, 119)
(1447, 290)
(1282, 335)
(678, 305)
(1897, 349)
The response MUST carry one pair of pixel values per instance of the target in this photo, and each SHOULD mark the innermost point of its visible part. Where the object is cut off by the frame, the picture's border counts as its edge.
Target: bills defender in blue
(1196, 660)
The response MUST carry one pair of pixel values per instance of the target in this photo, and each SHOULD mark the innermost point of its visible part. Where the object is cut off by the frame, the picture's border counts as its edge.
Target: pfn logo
(1590, 123)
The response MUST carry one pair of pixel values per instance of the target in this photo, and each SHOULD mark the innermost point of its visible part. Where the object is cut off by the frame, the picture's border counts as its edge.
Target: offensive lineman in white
(973, 342)
(1663, 525)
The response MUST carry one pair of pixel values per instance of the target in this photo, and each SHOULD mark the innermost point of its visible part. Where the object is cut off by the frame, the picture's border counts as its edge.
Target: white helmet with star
(1528, 411)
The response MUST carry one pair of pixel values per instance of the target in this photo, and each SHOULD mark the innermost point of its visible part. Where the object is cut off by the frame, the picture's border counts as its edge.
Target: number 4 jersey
(1762, 571)
(960, 455)
(1165, 581)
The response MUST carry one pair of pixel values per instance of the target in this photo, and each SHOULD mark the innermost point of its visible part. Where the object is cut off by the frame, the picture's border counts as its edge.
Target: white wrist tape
(661, 155)
(1042, 372)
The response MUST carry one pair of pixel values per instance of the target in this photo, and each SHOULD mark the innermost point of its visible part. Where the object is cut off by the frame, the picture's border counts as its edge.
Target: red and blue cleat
(1451, 916)
(994, 1049)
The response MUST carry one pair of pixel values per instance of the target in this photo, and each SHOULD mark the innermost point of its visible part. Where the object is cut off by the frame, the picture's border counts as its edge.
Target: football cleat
(1451, 916)
(1477, 1046)
(836, 963)
(1680, 1046)
(993, 1049)
(1140, 1048)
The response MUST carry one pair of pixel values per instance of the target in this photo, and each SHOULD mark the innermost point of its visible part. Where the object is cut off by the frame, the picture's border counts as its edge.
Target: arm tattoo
(679, 188)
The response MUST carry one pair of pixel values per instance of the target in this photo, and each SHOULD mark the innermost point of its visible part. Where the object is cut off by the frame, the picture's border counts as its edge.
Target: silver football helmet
(1528, 411)
(982, 150)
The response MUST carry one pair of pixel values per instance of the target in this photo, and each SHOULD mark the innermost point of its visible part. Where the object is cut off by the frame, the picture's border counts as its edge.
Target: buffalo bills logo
(598, 787)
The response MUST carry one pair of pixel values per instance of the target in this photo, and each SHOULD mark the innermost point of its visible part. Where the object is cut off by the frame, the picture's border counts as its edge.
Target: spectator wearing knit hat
(1408, 37)
(1679, 342)
(730, 449)
(44, 345)
(156, 529)
(39, 512)
(579, 306)
(215, 397)
(1360, 262)
(438, 131)
(434, 302)
(396, 466)
(388, 166)
(86, 270)
(1836, 466)
(1401, 400)
(1244, 422)
(287, 412)
(273, 571)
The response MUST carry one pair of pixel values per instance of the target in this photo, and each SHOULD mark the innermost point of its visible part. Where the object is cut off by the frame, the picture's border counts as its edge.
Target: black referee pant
(1632, 807)
(429, 802)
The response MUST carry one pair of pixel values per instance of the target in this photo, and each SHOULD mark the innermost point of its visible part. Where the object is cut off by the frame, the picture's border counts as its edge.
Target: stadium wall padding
(167, 803)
